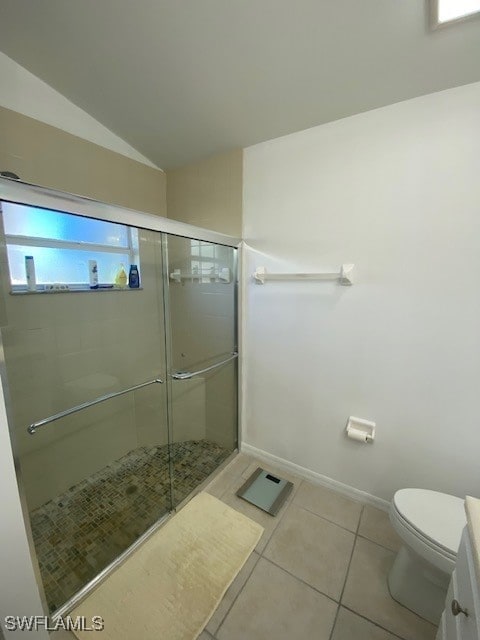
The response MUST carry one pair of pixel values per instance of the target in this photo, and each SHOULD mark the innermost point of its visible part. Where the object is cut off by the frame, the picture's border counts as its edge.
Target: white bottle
(30, 273)
(93, 274)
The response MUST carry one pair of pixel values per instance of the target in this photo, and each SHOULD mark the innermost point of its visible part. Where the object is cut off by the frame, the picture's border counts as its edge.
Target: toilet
(430, 525)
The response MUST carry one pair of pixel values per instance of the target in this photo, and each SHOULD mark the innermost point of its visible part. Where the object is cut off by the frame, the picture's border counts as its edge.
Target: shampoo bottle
(93, 274)
(133, 277)
(30, 273)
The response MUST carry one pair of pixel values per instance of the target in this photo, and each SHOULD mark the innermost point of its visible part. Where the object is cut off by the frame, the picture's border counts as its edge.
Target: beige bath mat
(169, 588)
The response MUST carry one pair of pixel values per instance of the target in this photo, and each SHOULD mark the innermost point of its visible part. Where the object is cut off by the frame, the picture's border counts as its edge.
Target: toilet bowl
(430, 525)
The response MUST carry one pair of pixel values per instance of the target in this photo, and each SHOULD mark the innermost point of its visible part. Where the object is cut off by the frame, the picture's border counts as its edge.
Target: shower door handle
(186, 375)
(35, 425)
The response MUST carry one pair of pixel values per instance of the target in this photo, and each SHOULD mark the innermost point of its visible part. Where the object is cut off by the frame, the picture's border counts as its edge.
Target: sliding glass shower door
(201, 321)
(86, 374)
(122, 392)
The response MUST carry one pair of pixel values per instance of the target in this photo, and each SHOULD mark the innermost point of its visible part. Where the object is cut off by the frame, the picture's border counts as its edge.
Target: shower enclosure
(121, 400)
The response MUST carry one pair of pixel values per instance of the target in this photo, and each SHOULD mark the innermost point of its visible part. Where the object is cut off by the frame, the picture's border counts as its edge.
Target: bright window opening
(63, 245)
(451, 10)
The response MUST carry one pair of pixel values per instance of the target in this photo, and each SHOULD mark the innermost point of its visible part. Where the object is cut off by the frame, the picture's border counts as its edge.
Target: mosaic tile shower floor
(83, 530)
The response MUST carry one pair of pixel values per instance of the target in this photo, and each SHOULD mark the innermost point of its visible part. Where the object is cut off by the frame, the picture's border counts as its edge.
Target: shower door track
(24, 193)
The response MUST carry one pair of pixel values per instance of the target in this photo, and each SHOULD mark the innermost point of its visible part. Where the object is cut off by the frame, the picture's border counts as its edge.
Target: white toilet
(430, 525)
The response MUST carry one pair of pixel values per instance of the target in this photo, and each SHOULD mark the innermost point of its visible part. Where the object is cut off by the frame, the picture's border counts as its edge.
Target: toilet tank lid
(438, 516)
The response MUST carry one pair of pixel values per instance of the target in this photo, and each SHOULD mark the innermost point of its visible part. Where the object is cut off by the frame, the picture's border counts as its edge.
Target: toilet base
(417, 585)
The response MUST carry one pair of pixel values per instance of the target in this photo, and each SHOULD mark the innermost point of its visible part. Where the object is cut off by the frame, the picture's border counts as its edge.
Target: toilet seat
(431, 523)
(438, 517)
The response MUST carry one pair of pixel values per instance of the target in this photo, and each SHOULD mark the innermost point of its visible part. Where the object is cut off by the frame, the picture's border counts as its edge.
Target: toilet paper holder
(360, 430)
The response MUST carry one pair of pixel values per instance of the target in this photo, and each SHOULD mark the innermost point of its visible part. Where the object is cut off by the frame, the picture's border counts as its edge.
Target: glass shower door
(202, 355)
(87, 414)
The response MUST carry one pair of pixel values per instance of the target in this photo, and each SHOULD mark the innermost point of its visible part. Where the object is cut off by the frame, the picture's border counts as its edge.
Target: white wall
(397, 192)
(23, 92)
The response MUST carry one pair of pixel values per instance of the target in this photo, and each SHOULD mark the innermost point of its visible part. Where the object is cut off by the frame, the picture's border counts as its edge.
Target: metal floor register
(266, 491)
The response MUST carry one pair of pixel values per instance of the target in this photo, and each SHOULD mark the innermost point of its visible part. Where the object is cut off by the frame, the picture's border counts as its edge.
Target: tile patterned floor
(319, 571)
(80, 532)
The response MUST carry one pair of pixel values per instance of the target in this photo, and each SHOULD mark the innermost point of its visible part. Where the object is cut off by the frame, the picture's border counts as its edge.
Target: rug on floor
(172, 584)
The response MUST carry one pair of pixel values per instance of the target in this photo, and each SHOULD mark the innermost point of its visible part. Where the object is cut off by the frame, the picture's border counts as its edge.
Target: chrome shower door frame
(19, 192)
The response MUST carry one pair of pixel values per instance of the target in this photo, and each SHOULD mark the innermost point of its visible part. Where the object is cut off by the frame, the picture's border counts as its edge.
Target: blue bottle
(133, 277)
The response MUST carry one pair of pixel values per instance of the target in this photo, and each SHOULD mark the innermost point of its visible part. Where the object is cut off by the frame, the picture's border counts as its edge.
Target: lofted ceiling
(182, 79)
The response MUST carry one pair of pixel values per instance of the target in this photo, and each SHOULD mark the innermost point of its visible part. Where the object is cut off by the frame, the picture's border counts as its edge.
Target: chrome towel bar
(35, 425)
(186, 375)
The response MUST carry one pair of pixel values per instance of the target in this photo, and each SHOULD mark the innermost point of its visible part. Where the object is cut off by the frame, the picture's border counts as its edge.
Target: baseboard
(316, 478)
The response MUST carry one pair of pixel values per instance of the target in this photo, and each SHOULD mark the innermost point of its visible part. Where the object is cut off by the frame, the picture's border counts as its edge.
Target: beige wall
(208, 193)
(44, 155)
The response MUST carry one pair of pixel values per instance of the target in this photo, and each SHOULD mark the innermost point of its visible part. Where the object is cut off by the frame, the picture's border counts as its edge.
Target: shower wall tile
(90, 335)
(149, 413)
(215, 302)
(188, 409)
(222, 406)
(75, 366)
(23, 313)
(34, 465)
(222, 424)
(24, 414)
(67, 339)
(65, 349)
(78, 449)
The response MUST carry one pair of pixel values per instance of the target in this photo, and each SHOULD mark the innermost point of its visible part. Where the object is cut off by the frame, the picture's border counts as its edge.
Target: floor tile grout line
(281, 513)
(351, 555)
(337, 493)
(354, 533)
(364, 537)
(361, 615)
(290, 502)
(334, 621)
(346, 573)
(260, 553)
(327, 519)
(228, 470)
(339, 602)
(360, 519)
(235, 478)
(236, 597)
(322, 593)
(358, 535)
